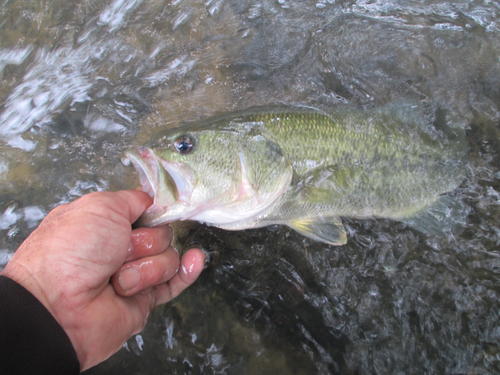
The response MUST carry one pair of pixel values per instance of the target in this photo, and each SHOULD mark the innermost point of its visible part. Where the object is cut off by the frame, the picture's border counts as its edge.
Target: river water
(82, 81)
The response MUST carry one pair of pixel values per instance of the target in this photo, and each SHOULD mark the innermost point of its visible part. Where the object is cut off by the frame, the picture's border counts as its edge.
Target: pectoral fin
(329, 230)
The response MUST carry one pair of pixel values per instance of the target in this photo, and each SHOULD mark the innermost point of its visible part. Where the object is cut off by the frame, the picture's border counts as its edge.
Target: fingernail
(170, 231)
(129, 279)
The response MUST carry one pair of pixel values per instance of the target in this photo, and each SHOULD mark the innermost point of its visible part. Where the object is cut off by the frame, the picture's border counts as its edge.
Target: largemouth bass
(301, 168)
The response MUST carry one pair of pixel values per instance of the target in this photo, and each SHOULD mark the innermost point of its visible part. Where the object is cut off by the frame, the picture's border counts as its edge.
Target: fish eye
(184, 144)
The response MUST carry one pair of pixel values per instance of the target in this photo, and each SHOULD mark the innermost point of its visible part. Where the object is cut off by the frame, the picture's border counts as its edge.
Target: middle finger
(148, 241)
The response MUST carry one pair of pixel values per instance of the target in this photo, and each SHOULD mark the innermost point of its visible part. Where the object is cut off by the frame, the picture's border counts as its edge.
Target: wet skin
(99, 278)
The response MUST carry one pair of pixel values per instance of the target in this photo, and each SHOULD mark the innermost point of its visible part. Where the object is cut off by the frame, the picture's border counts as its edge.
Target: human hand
(83, 261)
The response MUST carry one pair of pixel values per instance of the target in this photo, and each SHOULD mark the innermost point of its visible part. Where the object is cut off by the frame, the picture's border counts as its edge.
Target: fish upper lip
(151, 175)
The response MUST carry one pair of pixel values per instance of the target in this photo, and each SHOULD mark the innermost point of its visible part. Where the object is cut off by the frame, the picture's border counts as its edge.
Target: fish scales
(322, 141)
(396, 166)
(304, 169)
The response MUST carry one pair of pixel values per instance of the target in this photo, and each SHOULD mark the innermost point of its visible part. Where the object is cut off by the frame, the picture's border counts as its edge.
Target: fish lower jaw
(235, 215)
(217, 218)
(157, 215)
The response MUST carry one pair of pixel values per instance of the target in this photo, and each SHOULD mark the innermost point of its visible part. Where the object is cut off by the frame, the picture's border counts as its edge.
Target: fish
(305, 168)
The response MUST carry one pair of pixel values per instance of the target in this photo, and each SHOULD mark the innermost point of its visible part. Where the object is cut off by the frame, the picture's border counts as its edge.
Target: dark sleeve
(31, 340)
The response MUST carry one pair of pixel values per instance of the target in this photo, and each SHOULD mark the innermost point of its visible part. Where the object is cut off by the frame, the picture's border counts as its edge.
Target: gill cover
(223, 177)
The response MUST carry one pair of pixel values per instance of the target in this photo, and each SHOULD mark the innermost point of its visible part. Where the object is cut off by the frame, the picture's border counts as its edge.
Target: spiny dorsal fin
(329, 230)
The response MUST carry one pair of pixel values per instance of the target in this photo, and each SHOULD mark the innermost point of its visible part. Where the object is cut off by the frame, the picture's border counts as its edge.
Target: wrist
(35, 340)
(21, 275)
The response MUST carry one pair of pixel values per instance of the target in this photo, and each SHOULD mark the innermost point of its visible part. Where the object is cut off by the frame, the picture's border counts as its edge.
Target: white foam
(14, 56)
(180, 19)
(9, 218)
(5, 256)
(23, 144)
(387, 10)
(114, 14)
(168, 337)
(58, 77)
(103, 125)
(139, 340)
(81, 188)
(177, 67)
(33, 215)
(123, 115)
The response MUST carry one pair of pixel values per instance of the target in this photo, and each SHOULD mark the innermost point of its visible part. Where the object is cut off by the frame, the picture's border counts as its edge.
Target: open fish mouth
(153, 177)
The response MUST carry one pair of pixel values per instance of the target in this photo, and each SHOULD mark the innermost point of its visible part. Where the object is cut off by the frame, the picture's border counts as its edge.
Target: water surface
(82, 81)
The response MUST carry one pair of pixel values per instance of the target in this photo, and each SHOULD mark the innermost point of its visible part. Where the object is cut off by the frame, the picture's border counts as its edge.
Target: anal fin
(329, 230)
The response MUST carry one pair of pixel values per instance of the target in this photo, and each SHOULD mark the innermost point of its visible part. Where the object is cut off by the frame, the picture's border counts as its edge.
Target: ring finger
(146, 272)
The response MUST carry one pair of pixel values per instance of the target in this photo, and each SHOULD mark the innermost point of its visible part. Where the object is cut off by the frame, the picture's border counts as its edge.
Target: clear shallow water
(83, 81)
